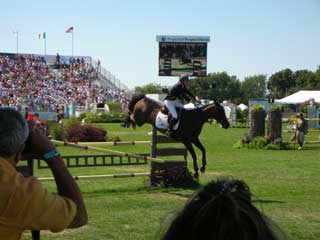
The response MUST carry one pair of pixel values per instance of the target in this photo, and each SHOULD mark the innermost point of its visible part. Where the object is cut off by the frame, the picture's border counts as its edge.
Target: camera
(27, 148)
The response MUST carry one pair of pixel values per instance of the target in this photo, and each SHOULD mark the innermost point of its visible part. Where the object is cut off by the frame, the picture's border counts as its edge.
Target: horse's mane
(135, 98)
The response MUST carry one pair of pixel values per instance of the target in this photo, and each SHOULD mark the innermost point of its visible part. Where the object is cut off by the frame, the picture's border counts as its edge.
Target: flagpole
(16, 33)
(45, 46)
(17, 42)
(72, 41)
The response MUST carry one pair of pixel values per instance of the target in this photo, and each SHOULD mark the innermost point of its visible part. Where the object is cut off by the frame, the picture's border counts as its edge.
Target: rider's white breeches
(171, 105)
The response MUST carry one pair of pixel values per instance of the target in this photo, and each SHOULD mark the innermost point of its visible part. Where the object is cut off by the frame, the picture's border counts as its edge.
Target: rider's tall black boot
(170, 127)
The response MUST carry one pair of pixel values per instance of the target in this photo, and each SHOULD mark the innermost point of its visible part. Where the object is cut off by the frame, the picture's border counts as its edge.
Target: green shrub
(57, 131)
(83, 115)
(115, 107)
(278, 146)
(103, 117)
(70, 122)
(114, 138)
(261, 143)
(258, 143)
(241, 125)
(245, 113)
(242, 116)
(238, 144)
(239, 115)
(51, 123)
(304, 110)
(275, 107)
(257, 107)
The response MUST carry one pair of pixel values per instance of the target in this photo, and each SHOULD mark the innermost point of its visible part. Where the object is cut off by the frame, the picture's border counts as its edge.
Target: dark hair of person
(222, 210)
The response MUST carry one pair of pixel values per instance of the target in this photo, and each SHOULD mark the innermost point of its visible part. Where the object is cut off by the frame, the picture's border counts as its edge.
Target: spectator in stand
(58, 58)
(24, 202)
(26, 81)
(222, 210)
(98, 67)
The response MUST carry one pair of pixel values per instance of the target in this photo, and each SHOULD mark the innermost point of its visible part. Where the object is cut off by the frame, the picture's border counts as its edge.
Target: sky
(248, 37)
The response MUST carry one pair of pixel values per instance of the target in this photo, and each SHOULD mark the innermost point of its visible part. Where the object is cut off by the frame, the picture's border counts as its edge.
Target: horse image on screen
(178, 58)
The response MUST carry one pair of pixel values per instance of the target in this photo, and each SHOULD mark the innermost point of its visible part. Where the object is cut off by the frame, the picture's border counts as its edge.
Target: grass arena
(285, 184)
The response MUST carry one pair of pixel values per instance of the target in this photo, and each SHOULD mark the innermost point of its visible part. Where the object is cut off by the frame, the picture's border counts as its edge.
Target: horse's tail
(135, 98)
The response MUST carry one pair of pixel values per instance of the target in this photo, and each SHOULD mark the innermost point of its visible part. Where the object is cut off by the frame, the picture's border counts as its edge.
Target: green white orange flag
(42, 35)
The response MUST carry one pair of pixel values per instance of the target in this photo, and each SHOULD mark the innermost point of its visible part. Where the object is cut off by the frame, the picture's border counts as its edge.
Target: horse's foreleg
(203, 151)
(188, 145)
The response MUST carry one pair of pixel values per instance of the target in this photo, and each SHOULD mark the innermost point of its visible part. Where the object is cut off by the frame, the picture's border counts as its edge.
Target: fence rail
(100, 160)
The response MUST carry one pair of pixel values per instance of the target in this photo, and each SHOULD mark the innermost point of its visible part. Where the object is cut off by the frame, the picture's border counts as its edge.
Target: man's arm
(66, 185)
(190, 95)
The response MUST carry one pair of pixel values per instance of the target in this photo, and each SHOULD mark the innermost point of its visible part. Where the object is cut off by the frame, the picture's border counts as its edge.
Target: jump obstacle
(114, 143)
(168, 172)
(165, 151)
(159, 168)
(87, 177)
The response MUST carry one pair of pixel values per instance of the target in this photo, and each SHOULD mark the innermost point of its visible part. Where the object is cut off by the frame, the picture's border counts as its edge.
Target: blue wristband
(49, 155)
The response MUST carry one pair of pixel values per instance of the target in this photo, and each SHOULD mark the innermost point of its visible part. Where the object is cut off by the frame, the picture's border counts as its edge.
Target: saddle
(164, 109)
(164, 117)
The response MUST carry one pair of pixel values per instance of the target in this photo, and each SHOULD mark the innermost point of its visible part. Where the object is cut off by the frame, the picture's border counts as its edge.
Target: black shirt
(181, 92)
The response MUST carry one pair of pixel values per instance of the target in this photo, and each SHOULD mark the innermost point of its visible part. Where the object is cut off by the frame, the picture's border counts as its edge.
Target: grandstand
(49, 83)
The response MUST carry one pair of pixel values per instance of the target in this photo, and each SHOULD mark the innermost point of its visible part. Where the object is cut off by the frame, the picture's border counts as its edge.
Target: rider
(178, 92)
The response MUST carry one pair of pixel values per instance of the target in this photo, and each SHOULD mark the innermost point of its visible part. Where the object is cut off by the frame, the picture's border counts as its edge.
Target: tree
(218, 86)
(149, 88)
(253, 87)
(280, 82)
(306, 80)
(317, 76)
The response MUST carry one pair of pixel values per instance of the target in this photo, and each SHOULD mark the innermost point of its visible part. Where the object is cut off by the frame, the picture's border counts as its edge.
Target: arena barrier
(100, 160)
(87, 177)
(163, 172)
(114, 143)
(118, 153)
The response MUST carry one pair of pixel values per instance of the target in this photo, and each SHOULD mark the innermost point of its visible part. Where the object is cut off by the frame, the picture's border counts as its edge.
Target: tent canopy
(242, 106)
(300, 97)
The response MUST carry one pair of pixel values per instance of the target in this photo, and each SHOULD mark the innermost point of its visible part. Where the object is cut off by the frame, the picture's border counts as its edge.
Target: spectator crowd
(28, 81)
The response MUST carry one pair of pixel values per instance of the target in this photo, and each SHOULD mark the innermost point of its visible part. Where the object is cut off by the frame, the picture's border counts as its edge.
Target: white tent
(300, 97)
(242, 106)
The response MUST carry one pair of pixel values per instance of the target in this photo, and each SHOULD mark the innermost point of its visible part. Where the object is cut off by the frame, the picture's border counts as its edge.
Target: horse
(145, 110)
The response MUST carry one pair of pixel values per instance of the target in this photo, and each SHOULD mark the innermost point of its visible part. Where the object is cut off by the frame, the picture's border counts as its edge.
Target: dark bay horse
(144, 110)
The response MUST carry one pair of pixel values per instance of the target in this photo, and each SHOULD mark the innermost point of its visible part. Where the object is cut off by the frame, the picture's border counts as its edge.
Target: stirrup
(169, 133)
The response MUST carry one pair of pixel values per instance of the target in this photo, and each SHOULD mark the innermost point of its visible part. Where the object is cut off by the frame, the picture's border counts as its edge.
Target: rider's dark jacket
(180, 91)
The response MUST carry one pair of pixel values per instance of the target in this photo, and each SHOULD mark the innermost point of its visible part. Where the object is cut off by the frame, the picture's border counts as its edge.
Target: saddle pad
(189, 106)
(162, 121)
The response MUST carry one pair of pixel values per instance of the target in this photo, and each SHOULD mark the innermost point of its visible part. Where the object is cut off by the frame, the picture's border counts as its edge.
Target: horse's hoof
(196, 175)
(203, 169)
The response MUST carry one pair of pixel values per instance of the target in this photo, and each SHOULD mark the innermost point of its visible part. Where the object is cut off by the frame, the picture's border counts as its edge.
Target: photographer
(24, 202)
